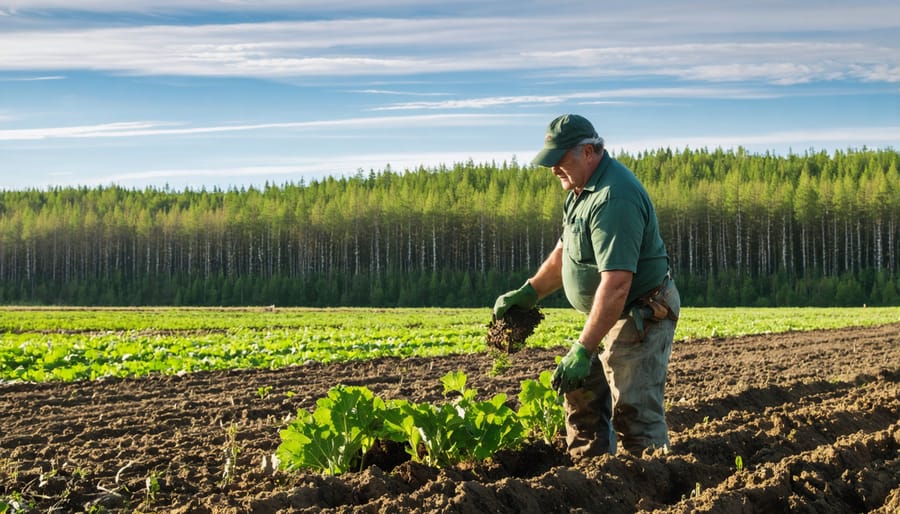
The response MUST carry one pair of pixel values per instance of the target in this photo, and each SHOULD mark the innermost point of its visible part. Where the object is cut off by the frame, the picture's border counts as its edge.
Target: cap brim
(549, 157)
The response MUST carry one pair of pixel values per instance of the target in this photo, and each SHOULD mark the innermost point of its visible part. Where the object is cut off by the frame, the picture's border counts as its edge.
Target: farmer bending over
(613, 266)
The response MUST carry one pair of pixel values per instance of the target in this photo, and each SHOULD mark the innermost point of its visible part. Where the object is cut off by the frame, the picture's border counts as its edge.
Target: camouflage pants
(623, 397)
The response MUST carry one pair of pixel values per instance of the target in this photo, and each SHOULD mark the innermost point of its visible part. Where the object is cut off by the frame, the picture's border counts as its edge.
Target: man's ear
(590, 151)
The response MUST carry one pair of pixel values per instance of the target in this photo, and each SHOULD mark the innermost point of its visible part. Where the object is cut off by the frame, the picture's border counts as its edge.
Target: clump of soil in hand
(509, 332)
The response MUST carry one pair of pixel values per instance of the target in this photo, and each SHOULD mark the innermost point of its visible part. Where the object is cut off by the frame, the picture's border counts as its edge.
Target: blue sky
(236, 93)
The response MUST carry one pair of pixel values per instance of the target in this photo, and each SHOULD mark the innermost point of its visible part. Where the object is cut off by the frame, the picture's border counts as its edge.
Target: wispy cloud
(126, 6)
(779, 62)
(155, 128)
(798, 140)
(611, 96)
(310, 168)
(415, 46)
(294, 169)
(31, 79)
(396, 93)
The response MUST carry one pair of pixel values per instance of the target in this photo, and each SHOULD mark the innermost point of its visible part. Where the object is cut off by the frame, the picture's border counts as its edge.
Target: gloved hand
(525, 297)
(573, 369)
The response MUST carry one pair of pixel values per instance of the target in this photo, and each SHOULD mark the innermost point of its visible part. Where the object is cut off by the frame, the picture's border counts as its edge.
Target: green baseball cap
(563, 133)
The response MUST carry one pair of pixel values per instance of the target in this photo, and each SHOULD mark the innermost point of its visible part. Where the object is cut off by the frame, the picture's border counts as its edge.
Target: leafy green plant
(263, 391)
(151, 487)
(541, 410)
(433, 429)
(232, 450)
(346, 424)
(84, 344)
(333, 438)
(462, 429)
(490, 425)
(500, 363)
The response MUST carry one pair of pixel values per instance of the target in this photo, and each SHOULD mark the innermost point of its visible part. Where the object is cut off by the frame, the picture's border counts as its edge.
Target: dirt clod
(509, 332)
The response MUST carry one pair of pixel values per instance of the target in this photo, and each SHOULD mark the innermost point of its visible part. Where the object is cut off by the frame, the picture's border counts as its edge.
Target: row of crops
(43, 344)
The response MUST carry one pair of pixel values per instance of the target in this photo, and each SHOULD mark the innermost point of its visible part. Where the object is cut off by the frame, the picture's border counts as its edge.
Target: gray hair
(596, 142)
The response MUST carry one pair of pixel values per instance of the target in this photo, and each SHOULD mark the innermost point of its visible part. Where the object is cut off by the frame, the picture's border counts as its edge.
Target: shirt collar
(598, 172)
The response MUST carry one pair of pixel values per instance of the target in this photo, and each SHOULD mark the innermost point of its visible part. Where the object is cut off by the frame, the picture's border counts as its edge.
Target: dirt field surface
(813, 416)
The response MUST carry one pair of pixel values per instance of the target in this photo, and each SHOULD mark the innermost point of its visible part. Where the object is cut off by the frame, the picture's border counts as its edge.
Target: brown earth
(814, 417)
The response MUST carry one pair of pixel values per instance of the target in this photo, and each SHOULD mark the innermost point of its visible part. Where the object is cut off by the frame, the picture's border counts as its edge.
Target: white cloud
(611, 96)
(201, 5)
(296, 169)
(31, 79)
(396, 93)
(154, 128)
(780, 141)
(785, 50)
(474, 103)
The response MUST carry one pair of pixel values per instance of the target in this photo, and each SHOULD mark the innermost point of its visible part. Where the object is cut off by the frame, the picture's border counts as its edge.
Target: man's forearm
(609, 301)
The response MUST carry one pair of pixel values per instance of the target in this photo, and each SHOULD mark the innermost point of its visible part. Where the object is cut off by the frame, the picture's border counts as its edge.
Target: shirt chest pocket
(577, 241)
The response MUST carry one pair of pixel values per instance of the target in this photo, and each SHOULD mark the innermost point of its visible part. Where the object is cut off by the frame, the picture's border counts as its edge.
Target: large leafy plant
(346, 424)
(463, 429)
(335, 436)
(541, 409)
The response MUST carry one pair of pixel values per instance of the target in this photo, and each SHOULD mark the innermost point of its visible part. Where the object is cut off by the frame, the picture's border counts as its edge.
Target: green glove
(573, 369)
(525, 297)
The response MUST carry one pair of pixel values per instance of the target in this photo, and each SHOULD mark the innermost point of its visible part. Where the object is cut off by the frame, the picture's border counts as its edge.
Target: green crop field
(41, 344)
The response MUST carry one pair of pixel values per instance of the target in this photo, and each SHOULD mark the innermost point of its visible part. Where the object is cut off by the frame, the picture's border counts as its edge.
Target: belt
(649, 294)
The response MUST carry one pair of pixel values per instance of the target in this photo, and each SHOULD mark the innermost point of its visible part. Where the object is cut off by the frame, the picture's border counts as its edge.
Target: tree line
(741, 229)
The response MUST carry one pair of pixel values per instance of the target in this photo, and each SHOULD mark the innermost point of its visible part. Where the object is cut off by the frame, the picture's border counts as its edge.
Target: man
(613, 266)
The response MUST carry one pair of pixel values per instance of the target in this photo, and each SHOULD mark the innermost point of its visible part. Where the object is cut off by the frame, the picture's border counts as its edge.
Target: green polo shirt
(610, 226)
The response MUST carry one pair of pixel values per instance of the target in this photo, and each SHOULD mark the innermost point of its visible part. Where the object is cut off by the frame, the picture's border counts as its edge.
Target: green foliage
(232, 450)
(435, 429)
(499, 363)
(463, 429)
(741, 229)
(541, 408)
(69, 344)
(151, 487)
(335, 436)
(347, 423)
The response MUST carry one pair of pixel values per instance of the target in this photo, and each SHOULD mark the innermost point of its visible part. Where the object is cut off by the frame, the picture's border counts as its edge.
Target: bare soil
(815, 418)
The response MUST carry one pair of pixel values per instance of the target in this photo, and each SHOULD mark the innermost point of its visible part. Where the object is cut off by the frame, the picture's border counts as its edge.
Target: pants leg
(589, 430)
(636, 365)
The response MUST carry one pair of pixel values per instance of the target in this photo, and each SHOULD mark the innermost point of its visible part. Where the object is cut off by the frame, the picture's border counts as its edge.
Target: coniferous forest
(742, 229)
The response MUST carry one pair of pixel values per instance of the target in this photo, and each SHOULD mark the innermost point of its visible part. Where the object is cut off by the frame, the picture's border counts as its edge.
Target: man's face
(572, 169)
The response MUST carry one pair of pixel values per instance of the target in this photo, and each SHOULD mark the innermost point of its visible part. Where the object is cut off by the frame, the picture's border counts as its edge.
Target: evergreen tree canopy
(812, 229)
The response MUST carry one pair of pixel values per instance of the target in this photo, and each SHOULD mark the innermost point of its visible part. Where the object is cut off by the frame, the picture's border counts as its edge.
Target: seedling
(151, 486)
(263, 391)
(501, 363)
(9, 469)
(739, 463)
(696, 492)
(231, 454)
